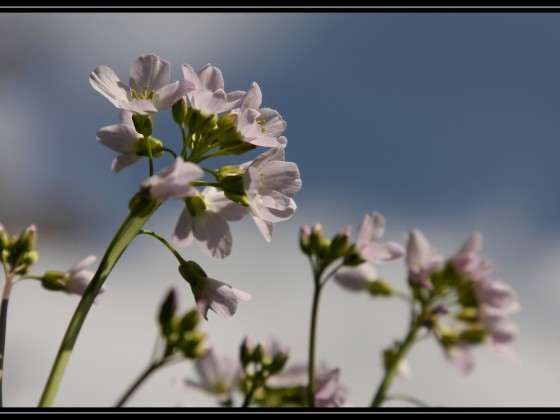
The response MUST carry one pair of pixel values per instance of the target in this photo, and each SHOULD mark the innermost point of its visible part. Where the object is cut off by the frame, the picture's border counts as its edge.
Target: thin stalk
(118, 245)
(3, 323)
(312, 338)
(149, 370)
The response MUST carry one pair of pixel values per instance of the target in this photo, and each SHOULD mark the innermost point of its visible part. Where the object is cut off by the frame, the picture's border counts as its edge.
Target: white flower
(218, 296)
(270, 183)
(205, 218)
(149, 89)
(208, 94)
(421, 258)
(173, 181)
(357, 278)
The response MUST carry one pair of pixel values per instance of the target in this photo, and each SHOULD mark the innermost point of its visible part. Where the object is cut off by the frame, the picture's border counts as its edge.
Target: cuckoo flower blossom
(355, 279)
(208, 94)
(173, 181)
(270, 183)
(124, 139)
(468, 260)
(258, 126)
(369, 233)
(205, 219)
(149, 89)
(421, 259)
(211, 294)
(77, 278)
(218, 374)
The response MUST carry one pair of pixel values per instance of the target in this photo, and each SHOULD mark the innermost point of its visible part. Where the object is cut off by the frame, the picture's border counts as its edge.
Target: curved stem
(121, 240)
(3, 322)
(163, 241)
(186, 141)
(171, 152)
(394, 364)
(312, 338)
(151, 369)
(249, 395)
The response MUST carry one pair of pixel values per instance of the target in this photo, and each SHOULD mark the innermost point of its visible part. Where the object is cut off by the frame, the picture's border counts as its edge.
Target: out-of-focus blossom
(369, 233)
(421, 259)
(174, 181)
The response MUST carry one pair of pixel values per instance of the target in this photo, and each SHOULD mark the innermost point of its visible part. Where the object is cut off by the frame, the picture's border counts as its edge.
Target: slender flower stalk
(149, 370)
(126, 233)
(3, 320)
(312, 338)
(393, 366)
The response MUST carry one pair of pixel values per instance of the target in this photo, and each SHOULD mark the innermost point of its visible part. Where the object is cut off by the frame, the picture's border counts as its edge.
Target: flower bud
(54, 280)
(192, 273)
(468, 314)
(304, 239)
(189, 321)
(192, 344)
(380, 288)
(339, 245)
(259, 354)
(28, 238)
(30, 258)
(4, 239)
(195, 204)
(473, 335)
(167, 312)
(246, 351)
(156, 146)
(143, 124)
(278, 363)
(179, 111)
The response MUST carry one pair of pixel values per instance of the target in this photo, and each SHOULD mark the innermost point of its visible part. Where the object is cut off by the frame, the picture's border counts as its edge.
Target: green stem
(3, 323)
(407, 398)
(312, 338)
(249, 395)
(150, 155)
(163, 241)
(394, 364)
(186, 141)
(171, 152)
(151, 369)
(121, 240)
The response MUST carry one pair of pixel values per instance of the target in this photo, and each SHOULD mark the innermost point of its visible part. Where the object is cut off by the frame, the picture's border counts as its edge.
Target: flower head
(208, 94)
(124, 139)
(210, 293)
(218, 374)
(205, 219)
(421, 259)
(78, 279)
(270, 183)
(173, 181)
(149, 90)
(369, 233)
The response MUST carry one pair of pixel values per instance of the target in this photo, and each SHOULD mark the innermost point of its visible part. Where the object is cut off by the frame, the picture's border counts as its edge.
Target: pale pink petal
(211, 78)
(276, 153)
(174, 181)
(124, 160)
(381, 252)
(80, 265)
(165, 97)
(472, 244)
(183, 235)
(104, 80)
(273, 124)
(418, 250)
(217, 202)
(119, 137)
(149, 72)
(283, 177)
(190, 75)
(208, 102)
(355, 278)
(213, 234)
(461, 359)
(253, 99)
(265, 227)
(504, 333)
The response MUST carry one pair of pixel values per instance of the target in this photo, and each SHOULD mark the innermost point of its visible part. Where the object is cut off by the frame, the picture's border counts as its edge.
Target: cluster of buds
(18, 253)
(461, 304)
(180, 333)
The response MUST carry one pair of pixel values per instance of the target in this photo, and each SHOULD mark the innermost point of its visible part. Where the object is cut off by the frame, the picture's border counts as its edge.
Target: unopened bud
(246, 351)
(179, 111)
(189, 321)
(380, 288)
(278, 362)
(28, 238)
(167, 312)
(473, 335)
(304, 239)
(143, 124)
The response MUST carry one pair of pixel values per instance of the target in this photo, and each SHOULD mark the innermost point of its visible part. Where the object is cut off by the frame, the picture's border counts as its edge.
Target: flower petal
(472, 244)
(119, 137)
(190, 75)
(355, 278)
(165, 97)
(104, 80)
(213, 234)
(208, 102)
(174, 181)
(124, 160)
(149, 72)
(80, 265)
(273, 124)
(281, 176)
(211, 78)
(217, 202)
(253, 99)
(418, 249)
(183, 235)
(265, 227)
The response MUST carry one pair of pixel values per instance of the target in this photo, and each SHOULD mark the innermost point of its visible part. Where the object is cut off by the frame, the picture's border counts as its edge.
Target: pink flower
(208, 95)
(421, 259)
(77, 279)
(173, 181)
(149, 89)
(369, 233)
(205, 219)
(357, 278)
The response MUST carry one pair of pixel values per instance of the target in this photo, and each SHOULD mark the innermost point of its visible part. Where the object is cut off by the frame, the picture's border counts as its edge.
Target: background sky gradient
(447, 122)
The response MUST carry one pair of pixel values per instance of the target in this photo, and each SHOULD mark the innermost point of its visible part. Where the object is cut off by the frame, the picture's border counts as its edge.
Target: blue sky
(447, 122)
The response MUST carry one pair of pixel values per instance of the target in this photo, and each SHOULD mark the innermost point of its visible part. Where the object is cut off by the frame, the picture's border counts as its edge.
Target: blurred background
(444, 122)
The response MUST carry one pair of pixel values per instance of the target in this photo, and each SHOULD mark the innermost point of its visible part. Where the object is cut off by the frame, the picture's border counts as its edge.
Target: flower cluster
(212, 123)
